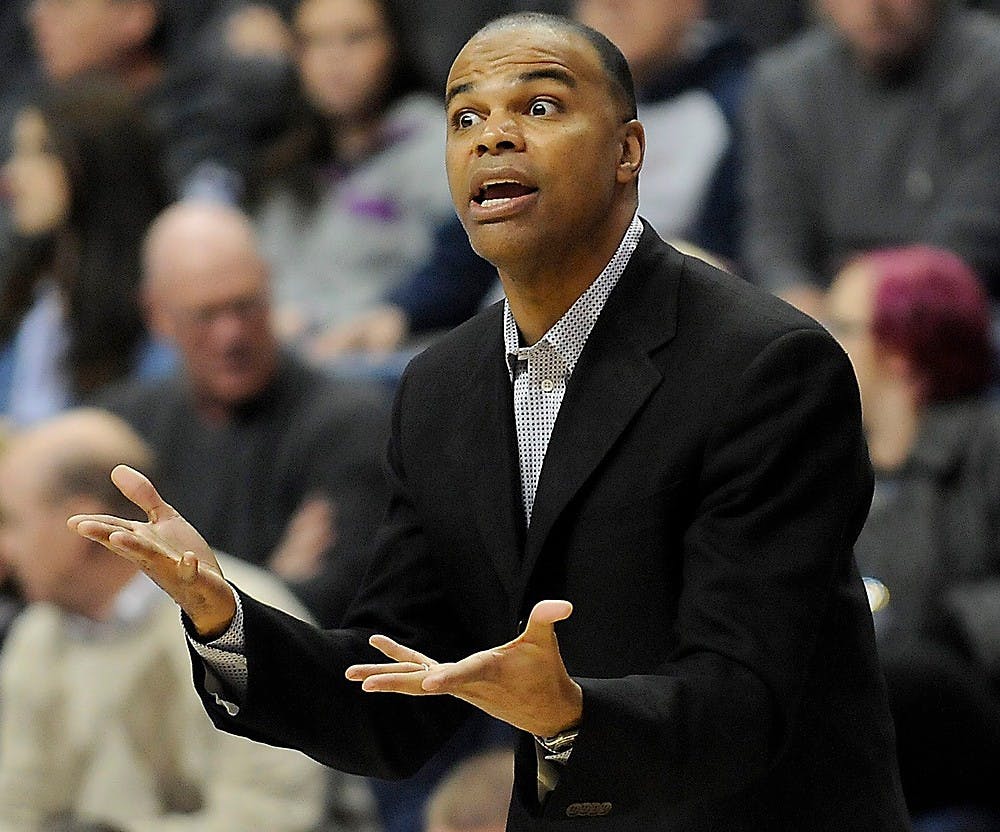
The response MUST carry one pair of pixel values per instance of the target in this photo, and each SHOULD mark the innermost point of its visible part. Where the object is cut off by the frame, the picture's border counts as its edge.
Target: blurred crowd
(225, 227)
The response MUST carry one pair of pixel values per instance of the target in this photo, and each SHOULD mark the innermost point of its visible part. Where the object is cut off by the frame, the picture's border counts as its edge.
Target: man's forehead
(90, 5)
(522, 49)
(28, 457)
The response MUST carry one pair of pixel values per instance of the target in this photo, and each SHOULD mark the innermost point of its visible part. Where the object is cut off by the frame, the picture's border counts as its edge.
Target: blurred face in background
(883, 33)
(207, 291)
(345, 56)
(76, 36)
(35, 543)
(35, 179)
(849, 306)
(650, 33)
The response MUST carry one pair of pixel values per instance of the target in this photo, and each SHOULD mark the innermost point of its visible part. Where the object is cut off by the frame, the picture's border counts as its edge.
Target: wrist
(210, 623)
(568, 715)
(558, 744)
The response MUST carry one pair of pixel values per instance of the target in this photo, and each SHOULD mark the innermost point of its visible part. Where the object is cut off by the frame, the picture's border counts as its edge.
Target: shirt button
(548, 385)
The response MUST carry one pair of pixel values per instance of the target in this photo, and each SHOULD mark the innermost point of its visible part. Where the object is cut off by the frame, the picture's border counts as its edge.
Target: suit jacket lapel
(491, 443)
(612, 380)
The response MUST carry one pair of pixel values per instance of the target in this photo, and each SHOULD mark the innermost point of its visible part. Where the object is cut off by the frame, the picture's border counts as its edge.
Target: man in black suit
(704, 479)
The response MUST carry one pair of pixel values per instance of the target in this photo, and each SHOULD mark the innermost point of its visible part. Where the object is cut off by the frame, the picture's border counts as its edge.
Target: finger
(121, 542)
(97, 527)
(406, 683)
(360, 672)
(136, 548)
(541, 623)
(141, 491)
(398, 652)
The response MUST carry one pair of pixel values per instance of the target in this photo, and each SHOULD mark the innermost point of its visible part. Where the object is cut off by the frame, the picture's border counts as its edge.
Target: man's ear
(82, 504)
(160, 322)
(633, 149)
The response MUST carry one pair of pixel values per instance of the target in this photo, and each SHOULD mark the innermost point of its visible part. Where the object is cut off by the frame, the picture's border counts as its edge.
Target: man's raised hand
(523, 682)
(168, 549)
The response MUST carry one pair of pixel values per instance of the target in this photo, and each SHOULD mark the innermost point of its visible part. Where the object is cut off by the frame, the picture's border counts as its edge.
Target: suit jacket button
(588, 810)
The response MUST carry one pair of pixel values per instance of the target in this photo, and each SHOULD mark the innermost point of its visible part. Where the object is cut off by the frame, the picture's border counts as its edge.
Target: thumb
(541, 623)
(137, 487)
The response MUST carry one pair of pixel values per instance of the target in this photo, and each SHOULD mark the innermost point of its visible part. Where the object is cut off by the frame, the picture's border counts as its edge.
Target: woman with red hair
(916, 324)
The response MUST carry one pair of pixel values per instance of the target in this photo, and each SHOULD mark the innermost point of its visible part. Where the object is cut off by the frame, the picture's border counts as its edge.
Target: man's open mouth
(496, 193)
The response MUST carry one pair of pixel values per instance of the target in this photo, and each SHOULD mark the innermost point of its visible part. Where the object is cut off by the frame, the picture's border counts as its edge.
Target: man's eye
(542, 108)
(466, 119)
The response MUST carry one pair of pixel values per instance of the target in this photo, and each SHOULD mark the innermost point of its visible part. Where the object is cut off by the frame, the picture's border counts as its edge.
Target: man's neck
(218, 411)
(354, 139)
(141, 72)
(537, 308)
(892, 428)
(98, 601)
(541, 290)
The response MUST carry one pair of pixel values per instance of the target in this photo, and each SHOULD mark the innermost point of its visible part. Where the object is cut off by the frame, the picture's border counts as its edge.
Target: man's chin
(890, 56)
(234, 392)
(504, 243)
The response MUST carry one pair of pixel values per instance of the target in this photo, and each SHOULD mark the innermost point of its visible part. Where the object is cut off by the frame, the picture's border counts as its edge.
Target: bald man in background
(276, 462)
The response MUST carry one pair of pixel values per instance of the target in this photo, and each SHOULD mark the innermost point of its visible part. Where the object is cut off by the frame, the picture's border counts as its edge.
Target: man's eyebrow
(551, 73)
(458, 89)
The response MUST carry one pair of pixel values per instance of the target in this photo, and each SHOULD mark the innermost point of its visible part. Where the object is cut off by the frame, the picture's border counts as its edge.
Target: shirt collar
(569, 334)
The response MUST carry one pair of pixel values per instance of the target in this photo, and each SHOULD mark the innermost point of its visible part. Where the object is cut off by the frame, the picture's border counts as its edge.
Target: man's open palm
(168, 549)
(522, 682)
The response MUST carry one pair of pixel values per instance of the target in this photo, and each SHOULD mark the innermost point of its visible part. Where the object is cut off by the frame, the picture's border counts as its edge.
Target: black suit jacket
(702, 490)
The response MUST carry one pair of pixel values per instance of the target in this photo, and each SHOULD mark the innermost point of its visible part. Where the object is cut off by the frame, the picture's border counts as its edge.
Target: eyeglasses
(243, 309)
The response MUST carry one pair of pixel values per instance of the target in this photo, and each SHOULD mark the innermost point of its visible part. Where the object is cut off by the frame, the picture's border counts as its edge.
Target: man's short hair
(85, 472)
(85, 476)
(616, 67)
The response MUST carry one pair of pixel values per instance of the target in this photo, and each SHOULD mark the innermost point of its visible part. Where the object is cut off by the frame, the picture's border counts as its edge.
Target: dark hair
(116, 188)
(83, 471)
(929, 305)
(308, 144)
(615, 65)
(164, 35)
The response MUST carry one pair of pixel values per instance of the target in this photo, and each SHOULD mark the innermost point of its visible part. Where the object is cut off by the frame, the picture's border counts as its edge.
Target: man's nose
(500, 134)
(228, 325)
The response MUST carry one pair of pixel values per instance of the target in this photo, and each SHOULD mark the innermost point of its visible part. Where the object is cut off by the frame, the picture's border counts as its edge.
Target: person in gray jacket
(878, 129)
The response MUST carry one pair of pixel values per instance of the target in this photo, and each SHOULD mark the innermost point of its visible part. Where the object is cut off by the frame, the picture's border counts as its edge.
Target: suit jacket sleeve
(298, 696)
